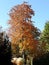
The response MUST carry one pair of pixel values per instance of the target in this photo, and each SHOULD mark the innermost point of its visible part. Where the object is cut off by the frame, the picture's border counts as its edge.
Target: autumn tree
(22, 32)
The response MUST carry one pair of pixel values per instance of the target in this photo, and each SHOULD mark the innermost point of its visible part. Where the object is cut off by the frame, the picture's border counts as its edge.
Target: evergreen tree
(5, 49)
(45, 36)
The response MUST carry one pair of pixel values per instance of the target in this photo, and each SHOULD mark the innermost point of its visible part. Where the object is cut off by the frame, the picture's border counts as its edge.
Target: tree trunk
(31, 58)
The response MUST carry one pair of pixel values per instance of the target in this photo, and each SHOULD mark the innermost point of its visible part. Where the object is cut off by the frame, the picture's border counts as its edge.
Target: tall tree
(22, 32)
(45, 36)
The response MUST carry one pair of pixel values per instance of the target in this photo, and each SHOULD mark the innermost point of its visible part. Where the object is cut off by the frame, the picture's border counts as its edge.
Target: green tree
(45, 37)
(5, 48)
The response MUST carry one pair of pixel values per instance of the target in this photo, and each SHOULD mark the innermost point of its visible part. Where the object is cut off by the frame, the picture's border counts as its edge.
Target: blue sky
(41, 8)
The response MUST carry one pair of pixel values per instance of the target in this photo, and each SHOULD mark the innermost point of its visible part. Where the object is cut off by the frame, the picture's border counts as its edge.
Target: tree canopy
(45, 36)
(22, 30)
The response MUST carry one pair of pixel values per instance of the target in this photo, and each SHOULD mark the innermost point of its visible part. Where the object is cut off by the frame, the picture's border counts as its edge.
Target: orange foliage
(22, 31)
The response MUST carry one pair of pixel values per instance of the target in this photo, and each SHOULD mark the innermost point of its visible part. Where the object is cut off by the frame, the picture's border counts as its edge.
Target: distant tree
(22, 32)
(45, 37)
(5, 48)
